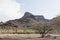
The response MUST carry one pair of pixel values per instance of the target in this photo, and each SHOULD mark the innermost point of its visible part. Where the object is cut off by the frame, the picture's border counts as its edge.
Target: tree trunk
(43, 35)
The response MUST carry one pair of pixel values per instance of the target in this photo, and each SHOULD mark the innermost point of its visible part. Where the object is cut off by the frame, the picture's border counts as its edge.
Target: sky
(14, 9)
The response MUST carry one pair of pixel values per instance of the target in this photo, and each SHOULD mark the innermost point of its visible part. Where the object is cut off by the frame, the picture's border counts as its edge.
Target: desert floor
(28, 37)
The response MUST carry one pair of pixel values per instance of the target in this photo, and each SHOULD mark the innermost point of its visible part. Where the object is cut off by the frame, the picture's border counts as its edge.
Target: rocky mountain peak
(28, 15)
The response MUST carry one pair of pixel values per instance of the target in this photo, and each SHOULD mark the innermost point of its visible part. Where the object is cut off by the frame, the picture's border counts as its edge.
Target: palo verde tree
(42, 28)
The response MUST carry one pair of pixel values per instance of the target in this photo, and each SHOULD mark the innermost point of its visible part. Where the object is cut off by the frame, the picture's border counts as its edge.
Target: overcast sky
(14, 9)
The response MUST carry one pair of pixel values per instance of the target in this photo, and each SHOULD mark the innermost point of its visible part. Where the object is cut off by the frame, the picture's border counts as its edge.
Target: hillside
(28, 18)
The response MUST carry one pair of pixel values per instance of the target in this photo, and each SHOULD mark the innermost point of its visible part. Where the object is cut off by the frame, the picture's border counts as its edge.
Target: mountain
(35, 17)
(30, 21)
(28, 18)
(28, 15)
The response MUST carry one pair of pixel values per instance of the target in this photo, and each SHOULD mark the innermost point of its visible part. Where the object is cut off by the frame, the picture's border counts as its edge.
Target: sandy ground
(27, 37)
